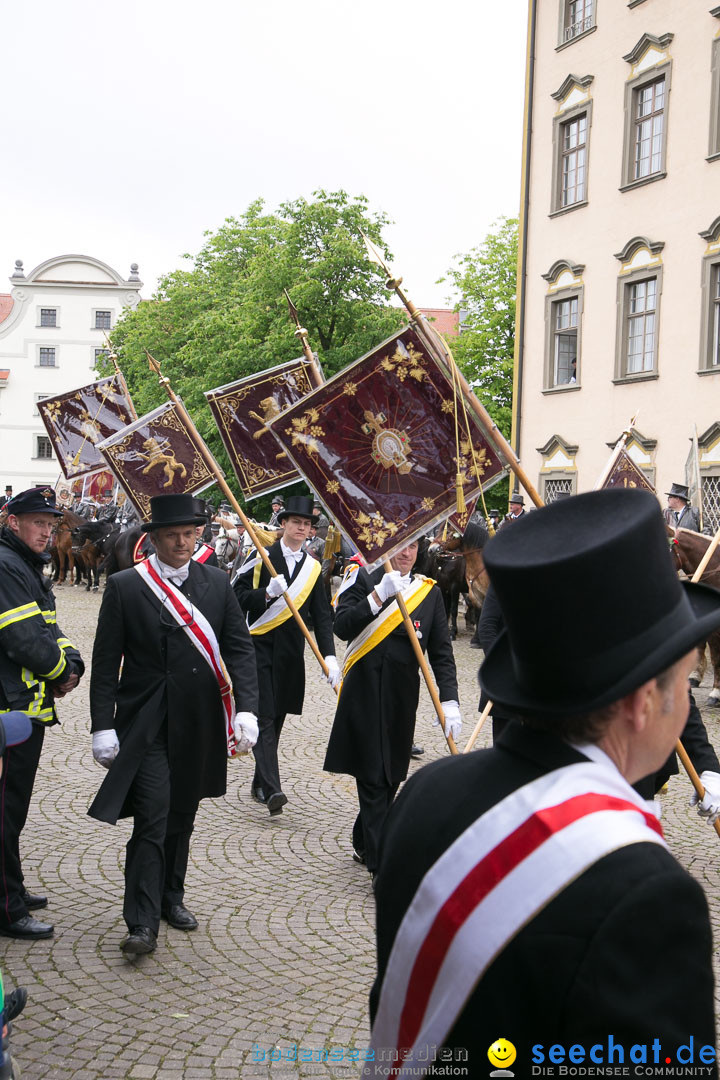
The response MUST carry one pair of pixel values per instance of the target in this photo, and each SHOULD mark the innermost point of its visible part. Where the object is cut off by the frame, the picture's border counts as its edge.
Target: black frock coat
(164, 676)
(624, 950)
(372, 733)
(280, 652)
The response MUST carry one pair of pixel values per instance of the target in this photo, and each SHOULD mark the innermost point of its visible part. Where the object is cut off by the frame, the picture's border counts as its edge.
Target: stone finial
(134, 276)
(18, 271)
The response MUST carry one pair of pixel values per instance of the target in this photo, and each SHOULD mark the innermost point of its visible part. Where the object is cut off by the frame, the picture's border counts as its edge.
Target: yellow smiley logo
(502, 1053)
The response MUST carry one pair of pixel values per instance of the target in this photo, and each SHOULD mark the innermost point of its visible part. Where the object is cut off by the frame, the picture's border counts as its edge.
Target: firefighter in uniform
(37, 665)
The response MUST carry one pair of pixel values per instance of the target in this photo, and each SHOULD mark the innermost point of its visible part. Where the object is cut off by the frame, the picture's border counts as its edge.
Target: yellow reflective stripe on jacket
(64, 643)
(17, 614)
(50, 617)
(57, 670)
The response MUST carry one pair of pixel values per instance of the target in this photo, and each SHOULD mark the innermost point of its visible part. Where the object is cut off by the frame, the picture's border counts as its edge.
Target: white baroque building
(52, 329)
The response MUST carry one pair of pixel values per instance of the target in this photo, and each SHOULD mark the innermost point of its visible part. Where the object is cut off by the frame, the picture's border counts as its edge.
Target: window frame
(563, 25)
(625, 283)
(714, 134)
(36, 399)
(102, 311)
(569, 116)
(47, 348)
(632, 89)
(48, 326)
(552, 299)
(553, 477)
(37, 455)
(710, 317)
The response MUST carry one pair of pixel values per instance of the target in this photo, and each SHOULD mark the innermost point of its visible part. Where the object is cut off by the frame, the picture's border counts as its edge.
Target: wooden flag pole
(478, 727)
(215, 469)
(619, 445)
(433, 340)
(302, 333)
(702, 565)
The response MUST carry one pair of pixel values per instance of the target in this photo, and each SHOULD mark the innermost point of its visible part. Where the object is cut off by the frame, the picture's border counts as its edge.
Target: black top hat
(299, 505)
(166, 510)
(516, 497)
(599, 562)
(680, 491)
(37, 500)
(8, 487)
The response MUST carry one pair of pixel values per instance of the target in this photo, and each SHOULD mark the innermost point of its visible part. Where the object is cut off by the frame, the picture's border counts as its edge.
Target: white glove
(105, 747)
(710, 806)
(245, 728)
(388, 585)
(453, 720)
(333, 676)
(276, 586)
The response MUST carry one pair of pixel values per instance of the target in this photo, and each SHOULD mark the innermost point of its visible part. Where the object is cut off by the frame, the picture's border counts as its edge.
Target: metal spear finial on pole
(217, 473)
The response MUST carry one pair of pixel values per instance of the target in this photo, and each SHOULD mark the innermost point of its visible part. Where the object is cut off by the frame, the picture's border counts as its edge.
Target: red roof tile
(444, 320)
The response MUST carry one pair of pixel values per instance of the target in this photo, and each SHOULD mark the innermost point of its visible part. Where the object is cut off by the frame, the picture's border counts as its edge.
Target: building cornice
(581, 81)
(646, 42)
(637, 242)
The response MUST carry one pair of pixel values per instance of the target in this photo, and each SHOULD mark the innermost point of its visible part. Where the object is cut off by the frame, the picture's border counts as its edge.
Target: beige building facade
(619, 279)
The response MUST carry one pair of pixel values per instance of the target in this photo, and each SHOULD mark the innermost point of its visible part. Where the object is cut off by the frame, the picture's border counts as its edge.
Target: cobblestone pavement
(284, 954)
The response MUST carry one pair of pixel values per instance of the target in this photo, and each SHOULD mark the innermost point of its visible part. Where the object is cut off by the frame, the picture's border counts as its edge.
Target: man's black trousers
(157, 852)
(20, 765)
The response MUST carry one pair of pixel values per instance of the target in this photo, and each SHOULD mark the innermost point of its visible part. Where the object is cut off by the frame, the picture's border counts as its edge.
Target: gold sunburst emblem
(390, 447)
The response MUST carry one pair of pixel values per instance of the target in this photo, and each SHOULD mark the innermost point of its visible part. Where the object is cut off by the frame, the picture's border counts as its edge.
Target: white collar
(288, 553)
(176, 574)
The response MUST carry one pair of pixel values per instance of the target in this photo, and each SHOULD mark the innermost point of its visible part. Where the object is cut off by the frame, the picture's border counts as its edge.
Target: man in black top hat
(38, 664)
(527, 891)
(173, 626)
(276, 506)
(279, 641)
(517, 508)
(679, 513)
(8, 496)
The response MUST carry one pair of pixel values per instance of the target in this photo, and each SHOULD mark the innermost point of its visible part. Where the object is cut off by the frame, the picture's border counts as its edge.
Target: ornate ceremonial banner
(242, 411)
(625, 473)
(377, 443)
(156, 455)
(77, 421)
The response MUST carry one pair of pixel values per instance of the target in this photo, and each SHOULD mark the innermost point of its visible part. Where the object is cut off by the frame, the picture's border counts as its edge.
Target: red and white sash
(200, 633)
(203, 553)
(493, 880)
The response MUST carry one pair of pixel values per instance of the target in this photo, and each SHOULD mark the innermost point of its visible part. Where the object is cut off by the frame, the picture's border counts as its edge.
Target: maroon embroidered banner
(378, 444)
(156, 455)
(80, 419)
(242, 411)
(625, 473)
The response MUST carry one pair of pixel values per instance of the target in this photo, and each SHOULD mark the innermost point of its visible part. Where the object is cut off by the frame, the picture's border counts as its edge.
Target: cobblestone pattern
(284, 954)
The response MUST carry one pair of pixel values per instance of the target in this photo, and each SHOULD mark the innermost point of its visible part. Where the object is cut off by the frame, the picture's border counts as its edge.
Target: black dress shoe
(275, 803)
(257, 793)
(177, 915)
(32, 901)
(15, 1003)
(140, 940)
(28, 927)
(417, 751)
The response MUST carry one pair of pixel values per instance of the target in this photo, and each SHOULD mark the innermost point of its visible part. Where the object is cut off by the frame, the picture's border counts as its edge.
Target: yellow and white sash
(298, 591)
(386, 622)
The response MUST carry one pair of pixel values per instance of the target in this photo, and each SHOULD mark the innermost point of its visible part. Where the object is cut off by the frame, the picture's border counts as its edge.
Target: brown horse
(61, 548)
(470, 547)
(688, 549)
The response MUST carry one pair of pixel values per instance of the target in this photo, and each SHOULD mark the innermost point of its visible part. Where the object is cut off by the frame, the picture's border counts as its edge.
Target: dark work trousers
(157, 852)
(375, 801)
(16, 787)
(267, 770)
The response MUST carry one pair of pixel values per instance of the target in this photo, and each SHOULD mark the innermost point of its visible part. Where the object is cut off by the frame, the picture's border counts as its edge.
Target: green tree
(485, 279)
(227, 317)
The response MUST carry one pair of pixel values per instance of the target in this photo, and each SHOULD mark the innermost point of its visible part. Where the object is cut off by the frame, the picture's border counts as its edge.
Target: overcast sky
(130, 129)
